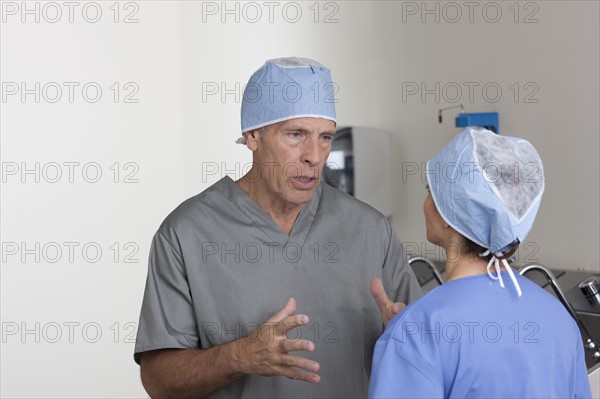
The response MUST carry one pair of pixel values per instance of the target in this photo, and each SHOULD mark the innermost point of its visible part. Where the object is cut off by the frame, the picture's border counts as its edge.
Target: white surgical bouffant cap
(287, 88)
(488, 188)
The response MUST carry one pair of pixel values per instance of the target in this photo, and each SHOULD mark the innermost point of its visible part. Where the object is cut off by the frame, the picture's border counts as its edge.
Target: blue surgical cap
(287, 88)
(487, 187)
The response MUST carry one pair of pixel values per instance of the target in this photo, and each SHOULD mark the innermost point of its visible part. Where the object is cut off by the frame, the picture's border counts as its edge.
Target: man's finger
(293, 345)
(398, 306)
(300, 362)
(378, 293)
(296, 374)
(284, 312)
(291, 322)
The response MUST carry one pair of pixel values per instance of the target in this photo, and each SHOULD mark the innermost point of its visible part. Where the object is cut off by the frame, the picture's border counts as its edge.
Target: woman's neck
(459, 264)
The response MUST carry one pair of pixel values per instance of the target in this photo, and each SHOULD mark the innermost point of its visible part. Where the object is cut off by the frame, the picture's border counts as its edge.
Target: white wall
(177, 143)
(81, 311)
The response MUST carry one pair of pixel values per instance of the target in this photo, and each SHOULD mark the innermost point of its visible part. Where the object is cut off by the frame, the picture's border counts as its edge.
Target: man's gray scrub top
(220, 266)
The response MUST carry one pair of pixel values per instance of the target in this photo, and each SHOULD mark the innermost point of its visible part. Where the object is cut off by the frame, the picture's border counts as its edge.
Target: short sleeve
(399, 280)
(399, 372)
(167, 317)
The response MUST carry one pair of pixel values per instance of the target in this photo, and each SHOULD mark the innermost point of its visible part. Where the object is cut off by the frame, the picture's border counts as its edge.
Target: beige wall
(543, 56)
(555, 62)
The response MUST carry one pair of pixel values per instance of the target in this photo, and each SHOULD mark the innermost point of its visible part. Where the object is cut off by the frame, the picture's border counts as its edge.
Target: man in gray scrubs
(276, 285)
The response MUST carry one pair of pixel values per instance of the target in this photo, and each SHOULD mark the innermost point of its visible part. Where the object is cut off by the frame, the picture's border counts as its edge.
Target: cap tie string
(496, 261)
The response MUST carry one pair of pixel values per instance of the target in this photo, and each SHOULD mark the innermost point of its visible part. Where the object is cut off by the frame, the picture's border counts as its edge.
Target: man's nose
(311, 154)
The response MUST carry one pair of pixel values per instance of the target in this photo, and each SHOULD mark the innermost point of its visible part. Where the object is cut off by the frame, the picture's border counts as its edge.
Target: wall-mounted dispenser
(488, 120)
(359, 164)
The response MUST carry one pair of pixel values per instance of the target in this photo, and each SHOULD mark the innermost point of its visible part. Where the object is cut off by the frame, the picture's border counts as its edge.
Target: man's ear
(252, 138)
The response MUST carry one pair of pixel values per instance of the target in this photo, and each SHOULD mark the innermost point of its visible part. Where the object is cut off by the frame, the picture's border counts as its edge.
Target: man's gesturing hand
(387, 308)
(266, 351)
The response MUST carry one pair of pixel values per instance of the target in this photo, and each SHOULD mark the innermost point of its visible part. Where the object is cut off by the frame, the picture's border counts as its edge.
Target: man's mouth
(303, 182)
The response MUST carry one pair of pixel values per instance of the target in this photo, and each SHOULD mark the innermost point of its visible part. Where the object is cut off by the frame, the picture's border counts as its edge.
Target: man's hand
(387, 308)
(266, 351)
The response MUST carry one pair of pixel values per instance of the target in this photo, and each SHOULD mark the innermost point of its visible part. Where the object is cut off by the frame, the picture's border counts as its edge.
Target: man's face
(290, 157)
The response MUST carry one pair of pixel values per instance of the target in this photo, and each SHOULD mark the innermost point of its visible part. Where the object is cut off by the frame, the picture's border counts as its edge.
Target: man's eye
(327, 137)
(294, 134)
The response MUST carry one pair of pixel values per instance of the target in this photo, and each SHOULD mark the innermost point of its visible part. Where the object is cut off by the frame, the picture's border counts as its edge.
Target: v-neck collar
(262, 219)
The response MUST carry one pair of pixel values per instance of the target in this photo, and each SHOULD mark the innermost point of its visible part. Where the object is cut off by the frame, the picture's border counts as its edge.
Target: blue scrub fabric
(288, 88)
(470, 338)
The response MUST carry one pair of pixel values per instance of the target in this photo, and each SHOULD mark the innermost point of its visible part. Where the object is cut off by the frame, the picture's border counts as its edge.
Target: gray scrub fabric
(220, 266)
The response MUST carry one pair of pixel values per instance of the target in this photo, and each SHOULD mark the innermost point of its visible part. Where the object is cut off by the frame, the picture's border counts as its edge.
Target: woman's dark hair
(469, 248)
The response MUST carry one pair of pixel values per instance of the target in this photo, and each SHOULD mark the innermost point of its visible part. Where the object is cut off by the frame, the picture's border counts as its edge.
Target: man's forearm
(186, 373)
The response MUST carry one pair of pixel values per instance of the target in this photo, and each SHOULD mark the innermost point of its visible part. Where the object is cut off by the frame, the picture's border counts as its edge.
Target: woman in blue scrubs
(488, 332)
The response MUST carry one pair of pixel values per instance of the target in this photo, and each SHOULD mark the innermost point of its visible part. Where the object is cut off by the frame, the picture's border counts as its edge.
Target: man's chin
(301, 197)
